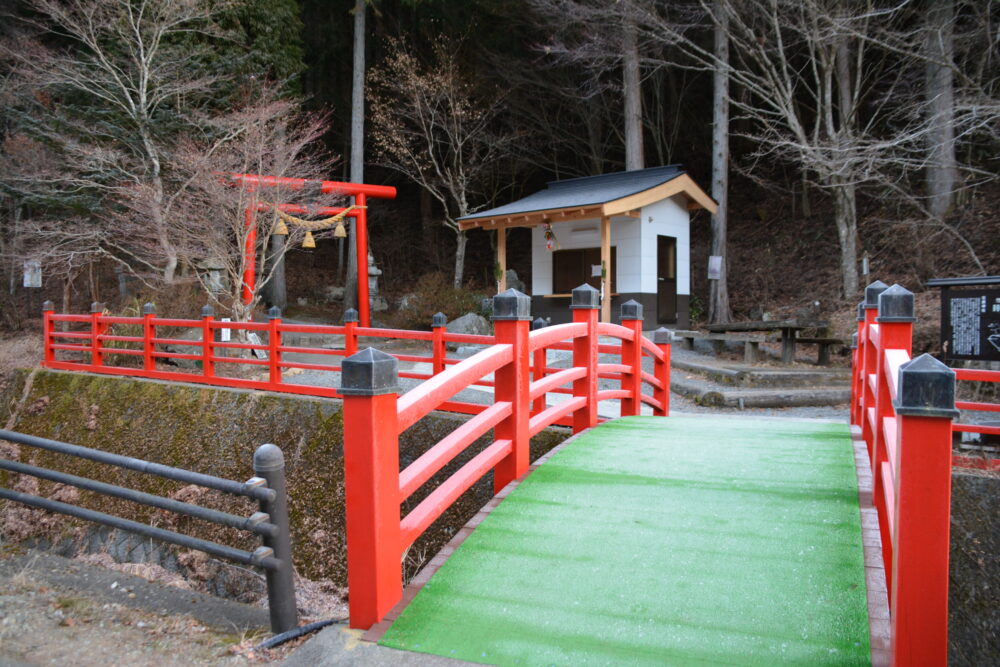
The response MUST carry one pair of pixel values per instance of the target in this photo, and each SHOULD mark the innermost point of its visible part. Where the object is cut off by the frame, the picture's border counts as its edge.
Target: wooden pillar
(277, 293)
(502, 258)
(361, 238)
(605, 269)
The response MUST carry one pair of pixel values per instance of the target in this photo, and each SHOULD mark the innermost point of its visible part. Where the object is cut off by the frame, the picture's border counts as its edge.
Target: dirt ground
(44, 625)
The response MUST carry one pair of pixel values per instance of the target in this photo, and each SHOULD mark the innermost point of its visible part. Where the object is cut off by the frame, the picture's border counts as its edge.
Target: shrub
(432, 294)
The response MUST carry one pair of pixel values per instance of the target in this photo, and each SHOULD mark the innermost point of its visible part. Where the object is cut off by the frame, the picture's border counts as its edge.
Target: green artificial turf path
(650, 540)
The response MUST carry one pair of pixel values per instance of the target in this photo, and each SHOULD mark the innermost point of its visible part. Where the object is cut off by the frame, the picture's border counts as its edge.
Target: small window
(572, 268)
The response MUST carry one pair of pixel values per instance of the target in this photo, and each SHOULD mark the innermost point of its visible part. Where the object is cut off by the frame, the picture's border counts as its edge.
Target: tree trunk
(846, 216)
(633, 97)
(460, 239)
(941, 171)
(357, 148)
(718, 300)
(277, 293)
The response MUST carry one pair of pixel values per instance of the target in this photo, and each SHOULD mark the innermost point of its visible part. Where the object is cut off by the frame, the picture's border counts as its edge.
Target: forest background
(853, 135)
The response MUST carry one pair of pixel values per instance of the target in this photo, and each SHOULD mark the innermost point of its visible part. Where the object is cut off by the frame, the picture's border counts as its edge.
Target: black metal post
(269, 463)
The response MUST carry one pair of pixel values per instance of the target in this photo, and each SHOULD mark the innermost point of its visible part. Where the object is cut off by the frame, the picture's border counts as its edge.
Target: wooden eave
(625, 206)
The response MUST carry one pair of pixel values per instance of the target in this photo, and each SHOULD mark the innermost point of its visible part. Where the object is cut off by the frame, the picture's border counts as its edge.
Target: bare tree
(208, 220)
(718, 298)
(357, 145)
(601, 36)
(433, 124)
(941, 169)
(130, 66)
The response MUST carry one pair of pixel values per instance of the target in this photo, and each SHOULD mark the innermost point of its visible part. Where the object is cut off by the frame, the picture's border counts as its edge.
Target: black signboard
(970, 322)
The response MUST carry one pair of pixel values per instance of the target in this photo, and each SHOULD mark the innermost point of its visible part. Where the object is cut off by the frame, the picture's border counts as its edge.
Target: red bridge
(645, 539)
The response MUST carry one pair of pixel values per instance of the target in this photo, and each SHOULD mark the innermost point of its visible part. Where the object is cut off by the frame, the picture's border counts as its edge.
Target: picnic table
(789, 334)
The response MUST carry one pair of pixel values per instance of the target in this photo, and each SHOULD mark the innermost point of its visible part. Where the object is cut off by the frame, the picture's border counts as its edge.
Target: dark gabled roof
(586, 191)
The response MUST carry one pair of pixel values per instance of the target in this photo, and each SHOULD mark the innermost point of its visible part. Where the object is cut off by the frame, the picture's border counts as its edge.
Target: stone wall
(214, 431)
(974, 586)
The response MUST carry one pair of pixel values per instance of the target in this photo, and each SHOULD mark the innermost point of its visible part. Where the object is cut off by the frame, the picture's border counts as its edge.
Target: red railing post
(631, 317)
(662, 338)
(895, 323)
(96, 330)
(47, 330)
(438, 348)
(926, 406)
(585, 303)
(538, 364)
(274, 344)
(870, 362)
(369, 383)
(148, 334)
(207, 342)
(350, 336)
(361, 239)
(511, 320)
(857, 358)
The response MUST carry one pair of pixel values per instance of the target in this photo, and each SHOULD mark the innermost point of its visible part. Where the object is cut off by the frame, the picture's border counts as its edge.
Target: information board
(970, 323)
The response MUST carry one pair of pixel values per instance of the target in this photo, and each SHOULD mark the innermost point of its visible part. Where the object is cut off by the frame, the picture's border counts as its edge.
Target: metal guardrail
(267, 487)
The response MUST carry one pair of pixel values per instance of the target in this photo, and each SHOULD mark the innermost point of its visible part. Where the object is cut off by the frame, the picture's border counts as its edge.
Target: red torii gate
(359, 191)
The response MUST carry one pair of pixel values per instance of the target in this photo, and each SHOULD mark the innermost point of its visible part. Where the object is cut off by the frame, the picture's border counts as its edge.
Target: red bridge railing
(146, 346)
(904, 408)
(374, 417)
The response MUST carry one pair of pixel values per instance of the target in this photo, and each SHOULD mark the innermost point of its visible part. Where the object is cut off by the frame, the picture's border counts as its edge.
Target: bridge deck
(647, 540)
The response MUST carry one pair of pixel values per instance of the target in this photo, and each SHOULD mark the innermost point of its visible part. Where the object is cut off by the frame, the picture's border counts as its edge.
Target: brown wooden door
(666, 279)
(572, 268)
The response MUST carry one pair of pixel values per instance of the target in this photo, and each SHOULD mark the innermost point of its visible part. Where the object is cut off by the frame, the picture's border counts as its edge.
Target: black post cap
(585, 296)
(439, 320)
(149, 308)
(207, 311)
(895, 305)
(268, 458)
(861, 312)
(48, 307)
(926, 389)
(539, 323)
(631, 310)
(511, 305)
(274, 313)
(370, 372)
(96, 307)
(872, 292)
(351, 315)
(663, 336)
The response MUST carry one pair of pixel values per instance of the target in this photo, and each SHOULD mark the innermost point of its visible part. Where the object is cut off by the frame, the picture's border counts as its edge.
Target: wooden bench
(824, 344)
(751, 341)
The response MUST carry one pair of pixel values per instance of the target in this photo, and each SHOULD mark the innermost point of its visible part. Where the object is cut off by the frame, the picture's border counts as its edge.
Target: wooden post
(919, 592)
(48, 308)
(369, 383)
(857, 366)
(350, 338)
(869, 363)
(207, 340)
(605, 269)
(438, 349)
(511, 322)
(361, 237)
(585, 304)
(274, 345)
(538, 366)
(502, 257)
(631, 316)
(662, 338)
(895, 323)
(250, 249)
(96, 329)
(148, 334)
